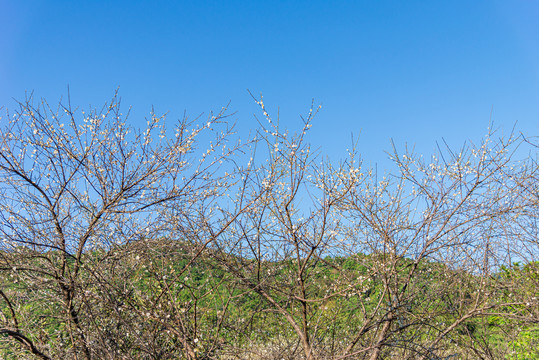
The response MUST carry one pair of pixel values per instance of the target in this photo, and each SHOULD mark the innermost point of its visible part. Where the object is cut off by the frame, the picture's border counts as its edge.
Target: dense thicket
(185, 242)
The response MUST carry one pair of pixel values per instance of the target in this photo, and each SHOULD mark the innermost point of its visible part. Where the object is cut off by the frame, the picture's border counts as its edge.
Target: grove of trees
(186, 242)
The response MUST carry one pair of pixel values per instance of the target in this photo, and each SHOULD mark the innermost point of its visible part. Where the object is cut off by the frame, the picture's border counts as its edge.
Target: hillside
(146, 299)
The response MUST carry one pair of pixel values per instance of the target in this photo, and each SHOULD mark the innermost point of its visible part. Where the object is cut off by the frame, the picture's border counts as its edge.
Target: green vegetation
(222, 316)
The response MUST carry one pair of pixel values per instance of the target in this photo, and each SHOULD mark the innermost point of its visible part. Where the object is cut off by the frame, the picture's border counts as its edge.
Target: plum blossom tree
(80, 188)
(183, 242)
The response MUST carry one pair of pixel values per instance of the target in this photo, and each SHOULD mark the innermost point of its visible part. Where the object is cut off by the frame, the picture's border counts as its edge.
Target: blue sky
(411, 71)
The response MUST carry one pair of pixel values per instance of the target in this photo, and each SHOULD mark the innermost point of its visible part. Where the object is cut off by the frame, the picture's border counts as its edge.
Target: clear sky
(413, 71)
